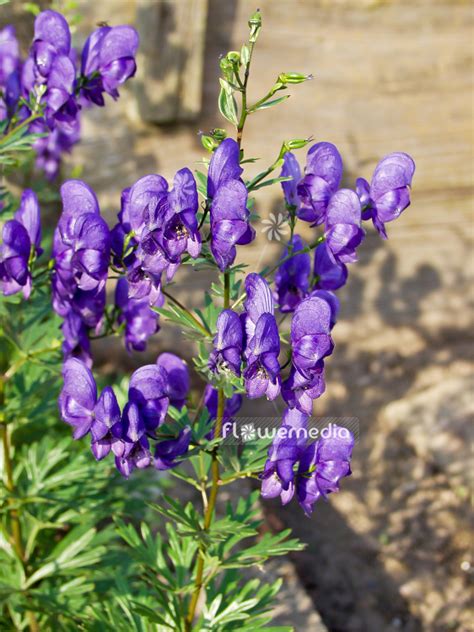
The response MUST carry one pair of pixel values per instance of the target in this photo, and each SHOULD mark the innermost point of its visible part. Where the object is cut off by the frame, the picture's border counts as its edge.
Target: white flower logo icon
(276, 227)
(247, 432)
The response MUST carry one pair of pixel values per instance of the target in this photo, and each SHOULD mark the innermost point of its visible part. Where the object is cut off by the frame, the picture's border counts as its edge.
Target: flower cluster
(312, 471)
(161, 226)
(50, 80)
(128, 433)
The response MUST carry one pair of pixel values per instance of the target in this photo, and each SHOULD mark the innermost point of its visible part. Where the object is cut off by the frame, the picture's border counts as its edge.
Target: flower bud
(208, 143)
(293, 77)
(218, 134)
(233, 57)
(255, 24)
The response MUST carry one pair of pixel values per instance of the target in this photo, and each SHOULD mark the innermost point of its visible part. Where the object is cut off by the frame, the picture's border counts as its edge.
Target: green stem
(215, 477)
(309, 248)
(244, 113)
(189, 313)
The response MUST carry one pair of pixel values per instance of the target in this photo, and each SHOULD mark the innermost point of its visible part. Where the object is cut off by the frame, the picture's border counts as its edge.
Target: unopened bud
(255, 24)
(208, 143)
(219, 134)
(293, 77)
(233, 57)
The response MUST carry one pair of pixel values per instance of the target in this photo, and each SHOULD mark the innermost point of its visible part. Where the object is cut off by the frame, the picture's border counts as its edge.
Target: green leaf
(228, 106)
(268, 104)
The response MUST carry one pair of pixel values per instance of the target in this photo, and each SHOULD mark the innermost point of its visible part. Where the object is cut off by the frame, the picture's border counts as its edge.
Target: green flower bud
(208, 143)
(293, 77)
(233, 57)
(255, 24)
(219, 134)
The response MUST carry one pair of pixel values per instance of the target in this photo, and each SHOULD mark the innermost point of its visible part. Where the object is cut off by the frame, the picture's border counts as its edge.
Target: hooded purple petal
(78, 396)
(224, 166)
(291, 168)
(178, 381)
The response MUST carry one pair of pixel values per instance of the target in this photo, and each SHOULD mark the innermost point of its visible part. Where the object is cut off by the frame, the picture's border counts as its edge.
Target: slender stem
(215, 477)
(244, 113)
(190, 314)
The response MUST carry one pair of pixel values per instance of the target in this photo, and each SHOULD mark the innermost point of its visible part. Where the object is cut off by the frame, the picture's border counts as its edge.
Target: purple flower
(322, 178)
(133, 449)
(140, 320)
(61, 106)
(108, 60)
(299, 391)
(310, 334)
(148, 389)
(21, 240)
(180, 227)
(76, 342)
(291, 169)
(51, 38)
(224, 166)
(343, 231)
(226, 355)
(333, 302)
(292, 277)
(106, 428)
(283, 454)
(263, 340)
(229, 214)
(78, 397)
(389, 192)
(177, 378)
(322, 465)
(9, 72)
(9, 53)
(81, 250)
(167, 452)
(330, 274)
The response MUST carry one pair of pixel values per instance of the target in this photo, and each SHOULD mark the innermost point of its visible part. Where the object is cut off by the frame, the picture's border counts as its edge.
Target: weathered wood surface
(388, 76)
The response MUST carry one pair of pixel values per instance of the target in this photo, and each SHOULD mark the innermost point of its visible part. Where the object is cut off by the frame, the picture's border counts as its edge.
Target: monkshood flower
(229, 214)
(133, 450)
(343, 230)
(262, 374)
(141, 322)
(177, 373)
(78, 397)
(106, 427)
(322, 465)
(329, 273)
(285, 451)
(180, 232)
(10, 87)
(21, 243)
(108, 60)
(299, 391)
(291, 169)
(167, 452)
(292, 276)
(81, 246)
(323, 173)
(148, 390)
(389, 192)
(51, 39)
(227, 352)
(310, 334)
